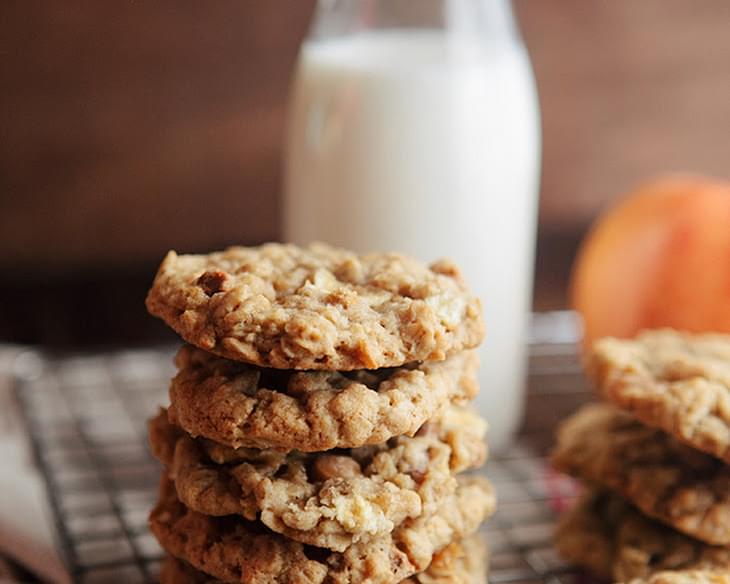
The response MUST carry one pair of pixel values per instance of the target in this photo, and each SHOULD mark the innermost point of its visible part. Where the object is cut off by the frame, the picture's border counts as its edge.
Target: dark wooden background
(132, 127)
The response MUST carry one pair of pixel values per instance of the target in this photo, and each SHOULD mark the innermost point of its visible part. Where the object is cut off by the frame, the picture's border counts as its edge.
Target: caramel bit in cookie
(418, 476)
(447, 268)
(213, 281)
(330, 466)
(350, 271)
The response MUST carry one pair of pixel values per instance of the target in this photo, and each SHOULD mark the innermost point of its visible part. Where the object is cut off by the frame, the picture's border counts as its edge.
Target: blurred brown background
(129, 128)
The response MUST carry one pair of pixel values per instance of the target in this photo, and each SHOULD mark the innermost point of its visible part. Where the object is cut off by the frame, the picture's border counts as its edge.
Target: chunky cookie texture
(241, 405)
(462, 562)
(661, 476)
(674, 381)
(317, 307)
(608, 536)
(327, 499)
(231, 549)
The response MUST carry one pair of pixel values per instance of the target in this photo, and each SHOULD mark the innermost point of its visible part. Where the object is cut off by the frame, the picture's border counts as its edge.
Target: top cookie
(674, 381)
(318, 307)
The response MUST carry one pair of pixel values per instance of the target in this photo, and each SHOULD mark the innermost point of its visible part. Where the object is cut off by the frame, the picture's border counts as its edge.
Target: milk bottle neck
(486, 21)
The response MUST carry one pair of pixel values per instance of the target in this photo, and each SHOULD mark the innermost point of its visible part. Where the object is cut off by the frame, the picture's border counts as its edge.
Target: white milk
(404, 140)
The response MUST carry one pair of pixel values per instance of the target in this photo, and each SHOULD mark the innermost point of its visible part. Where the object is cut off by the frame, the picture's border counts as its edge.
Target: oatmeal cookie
(318, 307)
(463, 562)
(232, 549)
(330, 499)
(243, 405)
(663, 477)
(606, 535)
(674, 381)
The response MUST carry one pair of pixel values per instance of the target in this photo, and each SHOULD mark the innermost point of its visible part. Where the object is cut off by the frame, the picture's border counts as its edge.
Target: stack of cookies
(319, 420)
(656, 457)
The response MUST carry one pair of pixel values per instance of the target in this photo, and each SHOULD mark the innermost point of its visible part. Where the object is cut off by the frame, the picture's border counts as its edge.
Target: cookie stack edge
(654, 458)
(319, 425)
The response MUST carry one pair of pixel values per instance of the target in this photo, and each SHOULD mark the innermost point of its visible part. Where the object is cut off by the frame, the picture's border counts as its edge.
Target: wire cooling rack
(86, 420)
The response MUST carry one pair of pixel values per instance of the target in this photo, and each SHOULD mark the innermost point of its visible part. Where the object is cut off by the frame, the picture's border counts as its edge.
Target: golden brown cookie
(317, 307)
(674, 381)
(463, 562)
(232, 549)
(330, 499)
(242, 405)
(609, 537)
(663, 477)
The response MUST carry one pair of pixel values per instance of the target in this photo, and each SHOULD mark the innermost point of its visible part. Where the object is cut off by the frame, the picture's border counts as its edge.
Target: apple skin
(658, 258)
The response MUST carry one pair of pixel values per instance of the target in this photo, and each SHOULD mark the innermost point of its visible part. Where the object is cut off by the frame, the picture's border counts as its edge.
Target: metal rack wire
(86, 419)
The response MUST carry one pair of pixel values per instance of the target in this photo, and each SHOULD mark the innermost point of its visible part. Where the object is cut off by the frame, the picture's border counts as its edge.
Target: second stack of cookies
(656, 456)
(318, 422)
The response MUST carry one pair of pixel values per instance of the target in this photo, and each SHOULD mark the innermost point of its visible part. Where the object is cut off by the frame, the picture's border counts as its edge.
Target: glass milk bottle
(414, 127)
